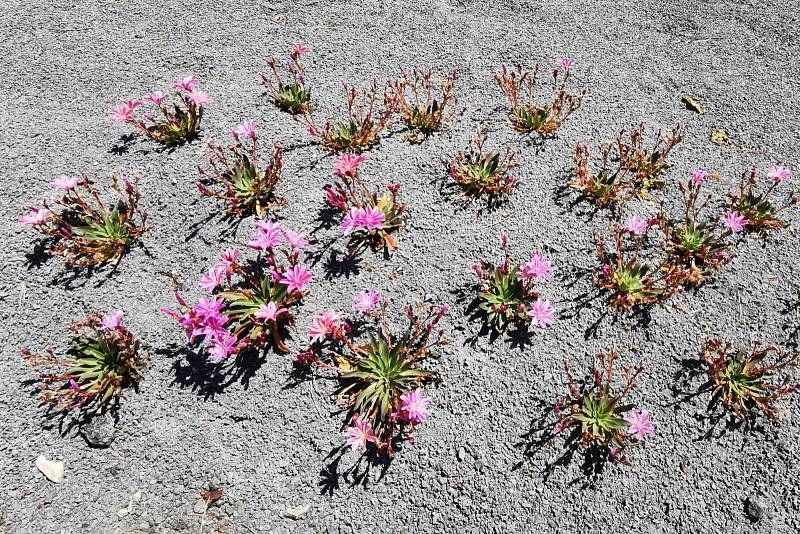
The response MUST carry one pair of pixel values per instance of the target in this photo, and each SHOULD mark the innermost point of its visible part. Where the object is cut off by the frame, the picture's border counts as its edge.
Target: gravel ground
(267, 441)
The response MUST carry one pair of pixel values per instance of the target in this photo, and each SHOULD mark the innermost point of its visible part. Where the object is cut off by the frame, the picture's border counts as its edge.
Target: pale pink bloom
(245, 129)
(269, 312)
(227, 261)
(371, 219)
(734, 221)
(64, 183)
(348, 164)
(223, 346)
(504, 239)
(211, 280)
(541, 313)
(566, 63)
(325, 325)
(360, 434)
(635, 225)
(778, 173)
(185, 84)
(300, 49)
(112, 320)
(296, 278)
(268, 235)
(366, 300)
(124, 112)
(639, 423)
(557, 429)
(538, 267)
(156, 97)
(36, 217)
(698, 176)
(351, 221)
(296, 240)
(197, 97)
(415, 407)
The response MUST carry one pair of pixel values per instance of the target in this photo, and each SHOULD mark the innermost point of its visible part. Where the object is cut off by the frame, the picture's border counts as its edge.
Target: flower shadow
(357, 474)
(192, 369)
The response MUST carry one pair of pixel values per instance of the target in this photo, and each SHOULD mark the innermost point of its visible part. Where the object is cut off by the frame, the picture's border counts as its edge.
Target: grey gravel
(99, 431)
(756, 508)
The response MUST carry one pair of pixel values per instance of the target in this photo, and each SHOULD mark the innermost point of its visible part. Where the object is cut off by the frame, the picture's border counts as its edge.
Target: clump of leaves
(380, 375)
(291, 96)
(527, 115)
(239, 181)
(596, 412)
(251, 303)
(361, 129)
(627, 169)
(748, 382)
(507, 293)
(104, 358)
(179, 123)
(481, 172)
(420, 107)
(369, 220)
(758, 208)
(630, 280)
(697, 245)
(84, 230)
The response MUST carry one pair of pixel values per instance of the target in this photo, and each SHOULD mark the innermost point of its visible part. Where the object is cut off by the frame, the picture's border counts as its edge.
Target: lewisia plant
(82, 228)
(250, 303)
(480, 172)
(369, 220)
(747, 383)
(421, 108)
(104, 358)
(596, 415)
(527, 115)
(756, 210)
(381, 376)
(239, 179)
(291, 96)
(178, 123)
(507, 292)
(361, 129)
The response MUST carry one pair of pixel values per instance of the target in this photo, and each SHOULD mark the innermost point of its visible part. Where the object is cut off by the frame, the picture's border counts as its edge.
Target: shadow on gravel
(520, 337)
(208, 379)
(122, 147)
(355, 475)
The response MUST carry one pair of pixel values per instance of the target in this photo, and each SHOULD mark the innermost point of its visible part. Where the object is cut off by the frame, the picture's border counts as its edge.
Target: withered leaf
(719, 137)
(692, 104)
(212, 496)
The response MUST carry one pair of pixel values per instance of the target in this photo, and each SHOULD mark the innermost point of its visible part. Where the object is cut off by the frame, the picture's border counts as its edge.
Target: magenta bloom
(639, 423)
(541, 313)
(36, 217)
(538, 268)
(211, 280)
(734, 221)
(415, 407)
(124, 112)
(296, 278)
(112, 320)
(371, 219)
(348, 164)
(636, 226)
(268, 235)
(698, 176)
(566, 63)
(64, 183)
(185, 84)
(778, 173)
(366, 300)
(269, 312)
(335, 198)
(351, 221)
(156, 97)
(324, 325)
(223, 346)
(227, 261)
(360, 434)
(296, 240)
(245, 129)
(197, 97)
(209, 307)
(300, 49)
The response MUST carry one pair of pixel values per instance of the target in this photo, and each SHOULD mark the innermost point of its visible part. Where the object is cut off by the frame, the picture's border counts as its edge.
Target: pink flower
(124, 112)
(211, 280)
(223, 346)
(296, 278)
(64, 183)
(156, 97)
(296, 240)
(639, 423)
(197, 97)
(366, 300)
(245, 129)
(325, 325)
(566, 63)
(74, 386)
(211, 327)
(112, 320)
(538, 268)
(778, 173)
(185, 84)
(209, 307)
(371, 219)
(269, 312)
(636, 226)
(335, 198)
(360, 434)
(734, 221)
(351, 221)
(541, 313)
(227, 262)
(268, 235)
(348, 164)
(415, 407)
(698, 176)
(300, 49)
(37, 216)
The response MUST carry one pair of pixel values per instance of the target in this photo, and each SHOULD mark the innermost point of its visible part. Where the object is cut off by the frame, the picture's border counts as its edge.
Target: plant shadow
(357, 474)
(192, 369)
